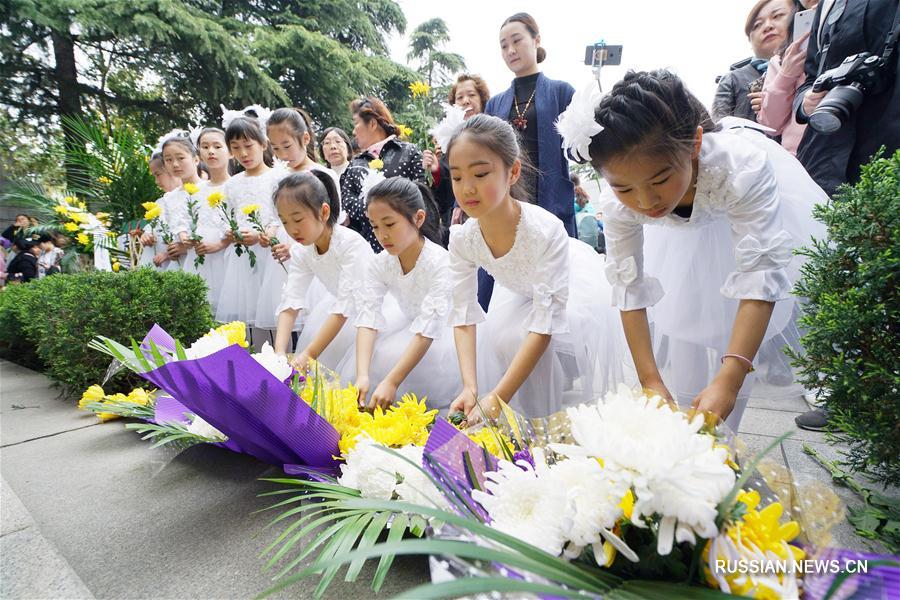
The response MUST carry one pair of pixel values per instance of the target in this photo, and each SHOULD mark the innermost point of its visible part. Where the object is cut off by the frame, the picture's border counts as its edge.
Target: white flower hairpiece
(576, 125)
(372, 178)
(175, 133)
(442, 132)
(194, 133)
(262, 116)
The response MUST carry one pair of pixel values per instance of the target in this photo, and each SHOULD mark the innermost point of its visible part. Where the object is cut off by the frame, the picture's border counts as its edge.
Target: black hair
(22, 215)
(153, 158)
(343, 135)
(247, 127)
(298, 122)
(498, 136)
(185, 142)
(45, 237)
(407, 197)
(312, 189)
(208, 130)
(648, 111)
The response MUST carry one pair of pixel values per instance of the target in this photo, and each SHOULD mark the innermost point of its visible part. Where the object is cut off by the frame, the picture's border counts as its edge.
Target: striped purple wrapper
(881, 582)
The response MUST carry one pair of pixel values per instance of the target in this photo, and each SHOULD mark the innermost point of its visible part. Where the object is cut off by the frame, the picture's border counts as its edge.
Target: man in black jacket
(845, 28)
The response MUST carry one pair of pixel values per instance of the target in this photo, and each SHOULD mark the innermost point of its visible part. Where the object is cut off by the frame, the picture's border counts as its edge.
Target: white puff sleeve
(431, 320)
(464, 307)
(374, 288)
(632, 289)
(762, 247)
(352, 264)
(176, 212)
(550, 292)
(299, 278)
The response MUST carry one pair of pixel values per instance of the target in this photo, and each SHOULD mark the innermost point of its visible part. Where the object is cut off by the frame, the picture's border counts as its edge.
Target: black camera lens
(836, 107)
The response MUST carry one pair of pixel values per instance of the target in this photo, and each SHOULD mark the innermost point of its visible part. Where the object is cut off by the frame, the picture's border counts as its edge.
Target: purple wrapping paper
(258, 413)
(168, 409)
(446, 446)
(158, 336)
(877, 582)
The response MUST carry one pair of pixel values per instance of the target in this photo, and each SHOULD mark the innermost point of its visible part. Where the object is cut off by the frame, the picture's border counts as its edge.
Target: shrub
(852, 320)
(54, 318)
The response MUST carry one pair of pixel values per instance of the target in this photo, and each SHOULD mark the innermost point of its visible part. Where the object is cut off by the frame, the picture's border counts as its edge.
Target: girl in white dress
(210, 226)
(307, 205)
(548, 339)
(242, 284)
(153, 253)
(725, 208)
(181, 160)
(290, 133)
(405, 350)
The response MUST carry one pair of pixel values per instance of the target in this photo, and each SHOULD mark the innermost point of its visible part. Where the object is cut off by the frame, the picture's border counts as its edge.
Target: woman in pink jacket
(773, 104)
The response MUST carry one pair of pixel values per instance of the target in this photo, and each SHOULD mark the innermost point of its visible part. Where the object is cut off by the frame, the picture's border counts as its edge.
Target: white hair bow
(443, 131)
(175, 133)
(576, 125)
(262, 115)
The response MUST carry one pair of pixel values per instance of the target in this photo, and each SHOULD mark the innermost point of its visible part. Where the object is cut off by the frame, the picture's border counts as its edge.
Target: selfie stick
(597, 64)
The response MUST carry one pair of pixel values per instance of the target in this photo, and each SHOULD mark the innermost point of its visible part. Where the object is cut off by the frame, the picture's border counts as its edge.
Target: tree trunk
(69, 95)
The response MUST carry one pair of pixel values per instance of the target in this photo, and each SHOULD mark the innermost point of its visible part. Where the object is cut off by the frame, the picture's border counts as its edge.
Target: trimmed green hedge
(46, 324)
(852, 319)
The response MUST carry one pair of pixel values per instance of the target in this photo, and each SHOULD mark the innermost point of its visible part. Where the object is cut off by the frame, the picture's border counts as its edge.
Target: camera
(847, 84)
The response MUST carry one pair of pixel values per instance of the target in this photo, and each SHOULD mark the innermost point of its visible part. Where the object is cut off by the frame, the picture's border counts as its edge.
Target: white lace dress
(211, 228)
(340, 271)
(242, 286)
(401, 305)
(752, 208)
(547, 283)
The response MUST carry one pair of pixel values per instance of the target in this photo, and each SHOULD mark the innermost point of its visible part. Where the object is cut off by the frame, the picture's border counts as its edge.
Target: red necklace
(520, 122)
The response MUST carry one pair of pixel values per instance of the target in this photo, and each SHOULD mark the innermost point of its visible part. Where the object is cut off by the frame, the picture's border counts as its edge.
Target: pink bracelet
(750, 367)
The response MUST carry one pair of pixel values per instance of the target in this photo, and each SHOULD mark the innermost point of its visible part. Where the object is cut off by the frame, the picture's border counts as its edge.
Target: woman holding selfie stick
(531, 105)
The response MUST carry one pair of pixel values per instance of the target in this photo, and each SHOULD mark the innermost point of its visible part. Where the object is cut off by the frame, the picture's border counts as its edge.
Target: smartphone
(597, 54)
(803, 22)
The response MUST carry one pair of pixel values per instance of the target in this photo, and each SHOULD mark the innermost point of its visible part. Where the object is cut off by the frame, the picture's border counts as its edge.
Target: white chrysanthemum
(364, 470)
(372, 178)
(200, 427)
(210, 343)
(442, 132)
(592, 498)
(523, 503)
(674, 470)
(276, 364)
(415, 487)
(723, 547)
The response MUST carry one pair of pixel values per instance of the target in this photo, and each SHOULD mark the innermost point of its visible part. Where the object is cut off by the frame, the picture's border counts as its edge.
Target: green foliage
(852, 319)
(51, 320)
(426, 45)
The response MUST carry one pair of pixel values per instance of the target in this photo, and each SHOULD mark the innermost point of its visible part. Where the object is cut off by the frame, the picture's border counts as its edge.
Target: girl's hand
(794, 57)
(756, 99)
(657, 386)
(430, 161)
(383, 396)
(175, 249)
(456, 216)
(160, 259)
(300, 362)
(718, 398)
(148, 239)
(263, 240)
(465, 402)
(281, 252)
(362, 384)
(250, 236)
(228, 237)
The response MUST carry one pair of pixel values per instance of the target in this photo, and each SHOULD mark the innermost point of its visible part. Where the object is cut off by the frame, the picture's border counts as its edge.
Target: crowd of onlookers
(25, 255)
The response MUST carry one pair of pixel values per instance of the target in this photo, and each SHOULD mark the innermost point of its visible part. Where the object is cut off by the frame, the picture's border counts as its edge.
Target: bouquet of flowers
(194, 214)
(627, 497)
(217, 200)
(153, 214)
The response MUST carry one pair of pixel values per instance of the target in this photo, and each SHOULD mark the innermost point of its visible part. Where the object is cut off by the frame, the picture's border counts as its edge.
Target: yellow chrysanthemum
(487, 438)
(419, 88)
(405, 131)
(757, 534)
(191, 188)
(140, 396)
(78, 217)
(116, 267)
(250, 209)
(236, 332)
(215, 198)
(152, 209)
(83, 239)
(71, 226)
(376, 164)
(104, 180)
(93, 394)
(102, 216)
(70, 200)
(61, 209)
